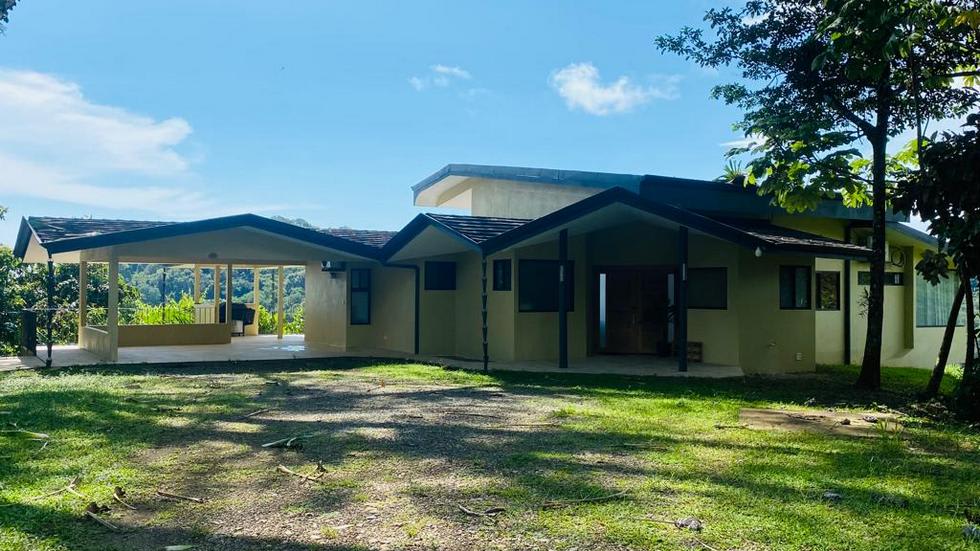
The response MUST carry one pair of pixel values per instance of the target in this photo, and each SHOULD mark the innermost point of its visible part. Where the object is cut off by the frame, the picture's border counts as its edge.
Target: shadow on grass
(528, 465)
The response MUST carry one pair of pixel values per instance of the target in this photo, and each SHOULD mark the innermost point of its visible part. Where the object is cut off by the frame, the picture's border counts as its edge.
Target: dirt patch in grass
(845, 423)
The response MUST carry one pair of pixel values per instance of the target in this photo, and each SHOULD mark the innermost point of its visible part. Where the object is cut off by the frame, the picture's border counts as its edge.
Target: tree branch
(862, 124)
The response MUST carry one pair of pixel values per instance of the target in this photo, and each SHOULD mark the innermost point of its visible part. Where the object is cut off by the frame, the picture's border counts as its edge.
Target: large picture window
(440, 276)
(537, 286)
(828, 290)
(360, 297)
(794, 287)
(933, 302)
(707, 288)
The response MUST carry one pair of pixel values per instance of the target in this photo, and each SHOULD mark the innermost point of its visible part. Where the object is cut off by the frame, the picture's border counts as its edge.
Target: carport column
(681, 302)
(280, 306)
(229, 293)
(82, 297)
(483, 311)
(50, 319)
(217, 293)
(197, 284)
(563, 299)
(112, 310)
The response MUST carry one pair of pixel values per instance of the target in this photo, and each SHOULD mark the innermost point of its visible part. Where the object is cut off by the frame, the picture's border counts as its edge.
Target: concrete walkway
(268, 347)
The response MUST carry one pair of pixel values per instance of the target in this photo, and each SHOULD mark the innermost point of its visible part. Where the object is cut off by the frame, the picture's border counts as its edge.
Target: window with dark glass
(360, 297)
(501, 275)
(707, 288)
(891, 278)
(794, 287)
(828, 290)
(537, 286)
(440, 276)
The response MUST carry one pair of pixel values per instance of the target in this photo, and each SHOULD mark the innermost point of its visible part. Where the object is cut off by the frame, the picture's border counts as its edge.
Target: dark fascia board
(212, 224)
(918, 235)
(533, 175)
(414, 228)
(24, 235)
(681, 216)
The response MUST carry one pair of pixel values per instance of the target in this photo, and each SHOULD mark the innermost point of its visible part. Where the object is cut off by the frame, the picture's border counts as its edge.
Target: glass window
(537, 286)
(440, 276)
(501, 275)
(707, 288)
(794, 287)
(933, 302)
(828, 290)
(360, 297)
(891, 278)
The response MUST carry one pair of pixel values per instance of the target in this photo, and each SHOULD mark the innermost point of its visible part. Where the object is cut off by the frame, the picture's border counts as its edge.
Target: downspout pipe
(418, 292)
(48, 322)
(483, 312)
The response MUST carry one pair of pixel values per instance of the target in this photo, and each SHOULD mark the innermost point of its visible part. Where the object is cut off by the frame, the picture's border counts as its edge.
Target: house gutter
(414, 268)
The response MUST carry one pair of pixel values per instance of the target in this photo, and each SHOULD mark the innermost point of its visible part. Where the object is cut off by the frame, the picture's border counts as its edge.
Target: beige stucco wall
(392, 324)
(510, 199)
(325, 307)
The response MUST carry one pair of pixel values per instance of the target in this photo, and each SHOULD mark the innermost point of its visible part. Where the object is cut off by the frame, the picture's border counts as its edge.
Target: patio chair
(241, 316)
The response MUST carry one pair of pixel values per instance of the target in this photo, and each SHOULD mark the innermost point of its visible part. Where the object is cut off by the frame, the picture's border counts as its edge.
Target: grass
(657, 438)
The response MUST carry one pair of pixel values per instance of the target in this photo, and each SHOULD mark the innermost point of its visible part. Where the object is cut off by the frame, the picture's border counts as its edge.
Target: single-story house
(555, 265)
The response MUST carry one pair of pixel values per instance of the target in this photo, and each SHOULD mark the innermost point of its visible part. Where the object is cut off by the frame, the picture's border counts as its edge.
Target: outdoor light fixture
(758, 252)
(333, 267)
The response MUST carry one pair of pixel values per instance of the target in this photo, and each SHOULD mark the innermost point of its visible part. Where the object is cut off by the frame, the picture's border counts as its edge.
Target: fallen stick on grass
(162, 493)
(103, 522)
(492, 511)
(286, 442)
(556, 504)
(118, 494)
(254, 413)
(70, 488)
(287, 470)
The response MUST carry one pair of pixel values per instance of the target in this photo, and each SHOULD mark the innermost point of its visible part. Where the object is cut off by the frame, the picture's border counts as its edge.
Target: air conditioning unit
(333, 266)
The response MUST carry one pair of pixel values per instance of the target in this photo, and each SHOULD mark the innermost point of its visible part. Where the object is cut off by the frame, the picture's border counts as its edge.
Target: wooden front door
(633, 310)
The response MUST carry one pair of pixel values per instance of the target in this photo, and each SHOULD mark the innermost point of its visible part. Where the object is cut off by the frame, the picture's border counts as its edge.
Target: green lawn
(403, 446)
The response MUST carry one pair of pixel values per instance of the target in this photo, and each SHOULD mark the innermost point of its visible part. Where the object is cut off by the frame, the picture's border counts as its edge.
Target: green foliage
(5, 7)
(296, 325)
(173, 312)
(267, 321)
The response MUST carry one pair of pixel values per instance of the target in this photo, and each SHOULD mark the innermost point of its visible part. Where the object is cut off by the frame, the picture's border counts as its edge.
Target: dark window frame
(570, 282)
(507, 268)
(809, 287)
(892, 279)
(691, 271)
(819, 295)
(364, 274)
(432, 284)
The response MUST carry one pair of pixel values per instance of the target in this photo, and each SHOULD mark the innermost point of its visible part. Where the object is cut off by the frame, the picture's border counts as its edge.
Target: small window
(360, 297)
(440, 276)
(537, 286)
(828, 290)
(794, 287)
(895, 279)
(502, 275)
(707, 288)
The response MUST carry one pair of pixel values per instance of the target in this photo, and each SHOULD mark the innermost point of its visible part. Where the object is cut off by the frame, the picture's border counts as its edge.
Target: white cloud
(439, 76)
(751, 140)
(57, 145)
(580, 85)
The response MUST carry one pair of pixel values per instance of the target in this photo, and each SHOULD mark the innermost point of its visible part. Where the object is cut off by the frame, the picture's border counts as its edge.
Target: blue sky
(331, 110)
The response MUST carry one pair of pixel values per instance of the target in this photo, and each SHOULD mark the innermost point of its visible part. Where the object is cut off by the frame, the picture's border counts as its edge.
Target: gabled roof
(478, 228)
(59, 235)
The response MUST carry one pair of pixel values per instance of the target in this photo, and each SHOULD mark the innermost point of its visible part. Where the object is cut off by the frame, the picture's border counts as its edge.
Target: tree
(5, 7)
(945, 191)
(826, 78)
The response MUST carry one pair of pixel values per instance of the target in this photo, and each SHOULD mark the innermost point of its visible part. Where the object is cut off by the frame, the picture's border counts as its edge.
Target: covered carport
(242, 241)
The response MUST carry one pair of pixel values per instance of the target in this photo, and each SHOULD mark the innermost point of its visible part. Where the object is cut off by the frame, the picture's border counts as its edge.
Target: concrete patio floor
(268, 347)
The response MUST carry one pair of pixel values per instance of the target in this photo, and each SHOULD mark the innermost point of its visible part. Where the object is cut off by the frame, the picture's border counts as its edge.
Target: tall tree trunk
(932, 390)
(870, 376)
(968, 394)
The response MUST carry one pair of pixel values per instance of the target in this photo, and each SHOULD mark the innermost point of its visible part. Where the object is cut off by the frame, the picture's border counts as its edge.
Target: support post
(197, 284)
(681, 302)
(563, 299)
(847, 300)
(255, 291)
(49, 320)
(483, 312)
(112, 311)
(217, 293)
(229, 294)
(280, 304)
(163, 295)
(82, 298)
